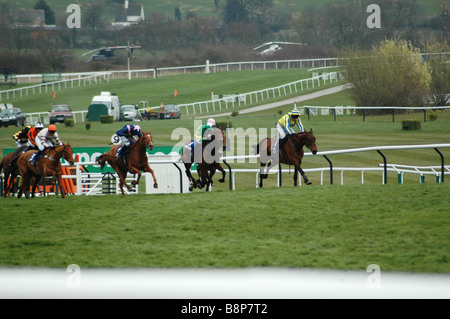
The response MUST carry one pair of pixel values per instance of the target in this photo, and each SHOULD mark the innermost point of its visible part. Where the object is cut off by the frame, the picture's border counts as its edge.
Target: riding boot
(123, 152)
(35, 157)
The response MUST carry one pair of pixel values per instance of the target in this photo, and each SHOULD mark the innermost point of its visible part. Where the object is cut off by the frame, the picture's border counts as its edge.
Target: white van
(111, 101)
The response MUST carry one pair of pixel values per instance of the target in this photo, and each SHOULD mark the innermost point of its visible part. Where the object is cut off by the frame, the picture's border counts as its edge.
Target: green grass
(191, 88)
(400, 228)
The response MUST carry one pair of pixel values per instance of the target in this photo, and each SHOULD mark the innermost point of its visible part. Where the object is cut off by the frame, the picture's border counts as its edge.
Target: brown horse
(291, 153)
(207, 159)
(9, 165)
(10, 174)
(136, 162)
(48, 165)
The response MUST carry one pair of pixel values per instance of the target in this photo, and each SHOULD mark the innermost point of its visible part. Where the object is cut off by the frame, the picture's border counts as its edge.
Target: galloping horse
(208, 160)
(136, 162)
(291, 153)
(11, 170)
(10, 174)
(48, 165)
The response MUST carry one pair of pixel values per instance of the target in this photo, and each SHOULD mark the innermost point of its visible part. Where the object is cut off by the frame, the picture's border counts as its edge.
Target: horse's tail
(101, 161)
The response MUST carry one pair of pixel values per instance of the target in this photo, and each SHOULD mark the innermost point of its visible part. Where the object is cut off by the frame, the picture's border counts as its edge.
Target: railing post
(331, 169)
(385, 167)
(442, 164)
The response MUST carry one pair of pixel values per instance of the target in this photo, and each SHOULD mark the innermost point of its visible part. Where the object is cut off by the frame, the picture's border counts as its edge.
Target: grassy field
(400, 228)
(191, 88)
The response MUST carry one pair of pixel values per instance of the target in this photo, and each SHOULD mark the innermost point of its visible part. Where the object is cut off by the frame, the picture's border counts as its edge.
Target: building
(25, 18)
(128, 14)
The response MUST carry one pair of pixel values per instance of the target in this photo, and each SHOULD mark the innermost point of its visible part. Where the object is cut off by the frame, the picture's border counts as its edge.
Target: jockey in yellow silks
(285, 127)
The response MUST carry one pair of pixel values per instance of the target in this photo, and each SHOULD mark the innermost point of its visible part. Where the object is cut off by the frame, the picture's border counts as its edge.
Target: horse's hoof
(155, 185)
(308, 183)
(221, 180)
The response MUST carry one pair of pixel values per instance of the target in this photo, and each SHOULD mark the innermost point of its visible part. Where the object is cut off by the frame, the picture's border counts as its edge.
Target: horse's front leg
(60, 183)
(305, 178)
(134, 170)
(209, 181)
(147, 169)
(220, 168)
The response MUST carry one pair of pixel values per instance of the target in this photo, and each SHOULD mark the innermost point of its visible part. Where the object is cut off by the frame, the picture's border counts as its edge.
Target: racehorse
(48, 165)
(208, 160)
(291, 153)
(10, 174)
(136, 162)
(9, 165)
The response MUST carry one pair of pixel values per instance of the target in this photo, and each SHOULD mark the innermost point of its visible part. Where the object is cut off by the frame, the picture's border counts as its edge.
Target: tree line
(185, 38)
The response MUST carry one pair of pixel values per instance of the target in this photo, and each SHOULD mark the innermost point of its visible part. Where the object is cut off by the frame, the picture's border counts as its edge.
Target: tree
(49, 14)
(391, 74)
(235, 12)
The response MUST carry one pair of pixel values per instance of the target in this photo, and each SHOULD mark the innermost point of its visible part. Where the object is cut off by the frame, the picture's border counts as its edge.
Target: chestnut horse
(136, 162)
(48, 165)
(291, 153)
(208, 159)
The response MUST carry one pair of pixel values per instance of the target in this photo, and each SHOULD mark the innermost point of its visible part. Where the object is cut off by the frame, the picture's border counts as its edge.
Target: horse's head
(147, 140)
(310, 141)
(67, 153)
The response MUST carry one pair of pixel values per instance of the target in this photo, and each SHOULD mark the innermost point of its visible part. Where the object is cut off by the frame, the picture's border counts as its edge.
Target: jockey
(32, 133)
(126, 134)
(31, 143)
(198, 135)
(21, 137)
(285, 127)
(46, 138)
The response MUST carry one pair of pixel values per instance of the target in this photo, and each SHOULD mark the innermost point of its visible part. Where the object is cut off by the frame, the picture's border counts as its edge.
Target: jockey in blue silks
(126, 134)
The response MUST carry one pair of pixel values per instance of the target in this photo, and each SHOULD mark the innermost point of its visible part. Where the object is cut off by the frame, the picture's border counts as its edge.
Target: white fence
(342, 110)
(70, 80)
(90, 183)
(229, 101)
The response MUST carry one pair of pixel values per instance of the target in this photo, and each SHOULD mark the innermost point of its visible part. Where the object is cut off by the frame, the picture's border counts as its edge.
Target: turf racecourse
(398, 227)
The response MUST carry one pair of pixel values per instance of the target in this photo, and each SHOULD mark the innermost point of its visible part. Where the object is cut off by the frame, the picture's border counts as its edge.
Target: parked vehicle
(59, 113)
(12, 116)
(111, 101)
(150, 114)
(129, 113)
(172, 111)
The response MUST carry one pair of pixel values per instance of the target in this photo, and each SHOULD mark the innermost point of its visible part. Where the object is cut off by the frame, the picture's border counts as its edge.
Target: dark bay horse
(10, 174)
(136, 162)
(291, 153)
(9, 165)
(48, 165)
(207, 159)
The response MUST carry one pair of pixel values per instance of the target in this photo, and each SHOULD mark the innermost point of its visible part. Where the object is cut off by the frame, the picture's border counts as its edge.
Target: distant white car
(129, 113)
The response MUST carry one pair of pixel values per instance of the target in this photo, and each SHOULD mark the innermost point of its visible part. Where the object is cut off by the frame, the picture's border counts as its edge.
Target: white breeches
(281, 130)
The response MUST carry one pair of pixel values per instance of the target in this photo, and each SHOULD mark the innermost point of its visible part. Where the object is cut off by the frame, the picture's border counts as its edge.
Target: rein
(60, 155)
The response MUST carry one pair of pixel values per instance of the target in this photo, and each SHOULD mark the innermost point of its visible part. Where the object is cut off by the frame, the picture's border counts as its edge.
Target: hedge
(411, 125)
